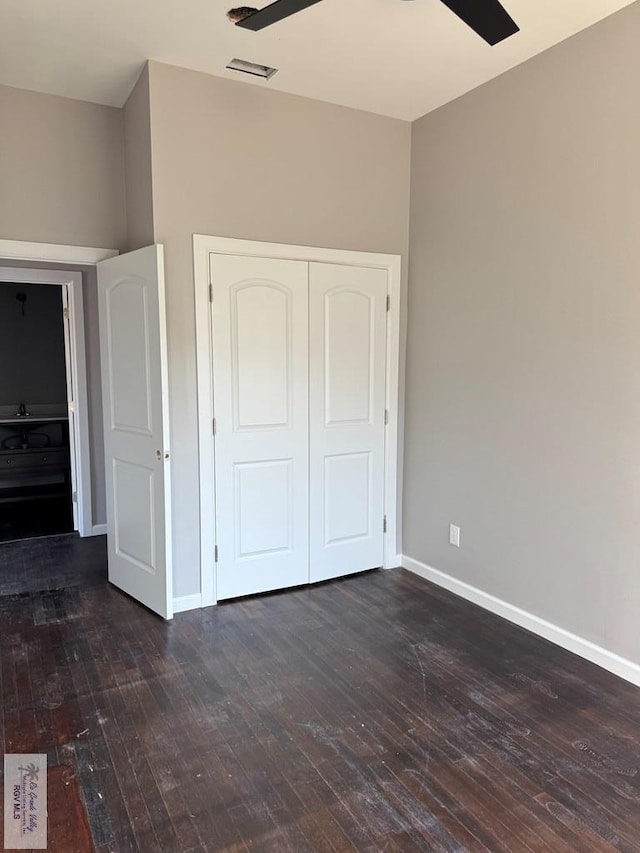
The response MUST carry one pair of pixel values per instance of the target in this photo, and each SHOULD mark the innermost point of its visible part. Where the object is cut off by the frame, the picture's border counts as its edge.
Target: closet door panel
(260, 370)
(347, 497)
(349, 357)
(347, 340)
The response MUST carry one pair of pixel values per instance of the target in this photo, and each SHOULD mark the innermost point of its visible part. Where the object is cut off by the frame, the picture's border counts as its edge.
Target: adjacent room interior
(35, 485)
(319, 423)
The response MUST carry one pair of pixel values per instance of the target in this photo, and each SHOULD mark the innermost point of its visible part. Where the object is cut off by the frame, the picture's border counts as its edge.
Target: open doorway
(35, 461)
(44, 470)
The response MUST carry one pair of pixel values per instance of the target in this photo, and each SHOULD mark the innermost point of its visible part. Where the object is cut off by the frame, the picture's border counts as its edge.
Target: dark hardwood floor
(48, 516)
(377, 713)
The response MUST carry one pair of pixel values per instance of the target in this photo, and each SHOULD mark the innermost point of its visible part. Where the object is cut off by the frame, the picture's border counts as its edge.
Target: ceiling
(400, 59)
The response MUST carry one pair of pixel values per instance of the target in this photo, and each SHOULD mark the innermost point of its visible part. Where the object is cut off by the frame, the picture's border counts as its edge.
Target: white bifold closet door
(261, 404)
(347, 361)
(299, 356)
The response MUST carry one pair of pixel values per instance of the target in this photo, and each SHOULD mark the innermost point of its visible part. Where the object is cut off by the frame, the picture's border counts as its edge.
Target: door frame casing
(203, 247)
(60, 253)
(54, 253)
(76, 367)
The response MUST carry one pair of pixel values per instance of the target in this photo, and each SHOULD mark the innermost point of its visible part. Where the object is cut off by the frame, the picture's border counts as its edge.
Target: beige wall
(62, 181)
(137, 164)
(523, 387)
(61, 170)
(231, 159)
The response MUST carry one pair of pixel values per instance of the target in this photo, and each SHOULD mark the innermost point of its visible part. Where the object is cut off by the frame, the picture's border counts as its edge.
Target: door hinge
(65, 313)
(214, 426)
(386, 417)
(384, 524)
(216, 554)
(210, 293)
(74, 497)
(388, 303)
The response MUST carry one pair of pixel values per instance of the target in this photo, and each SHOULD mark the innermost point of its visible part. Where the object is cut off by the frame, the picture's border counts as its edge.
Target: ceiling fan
(488, 18)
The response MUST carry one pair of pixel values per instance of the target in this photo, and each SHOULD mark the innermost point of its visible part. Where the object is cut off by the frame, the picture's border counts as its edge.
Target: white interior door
(347, 344)
(260, 377)
(136, 424)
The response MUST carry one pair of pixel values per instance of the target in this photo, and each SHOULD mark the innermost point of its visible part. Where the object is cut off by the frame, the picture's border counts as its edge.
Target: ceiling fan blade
(487, 17)
(273, 13)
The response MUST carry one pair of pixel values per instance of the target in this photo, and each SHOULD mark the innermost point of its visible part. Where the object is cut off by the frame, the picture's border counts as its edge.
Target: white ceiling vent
(252, 68)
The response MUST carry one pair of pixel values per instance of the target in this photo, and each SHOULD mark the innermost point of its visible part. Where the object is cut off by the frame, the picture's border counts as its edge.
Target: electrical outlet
(454, 535)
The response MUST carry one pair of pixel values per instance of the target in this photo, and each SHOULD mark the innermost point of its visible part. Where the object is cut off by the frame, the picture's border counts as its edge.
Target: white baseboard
(396, 562)
(99, 530)
(187, 602)
(610, 661)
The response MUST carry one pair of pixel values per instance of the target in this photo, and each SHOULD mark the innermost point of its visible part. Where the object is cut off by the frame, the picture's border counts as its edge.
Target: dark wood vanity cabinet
(34, 472)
